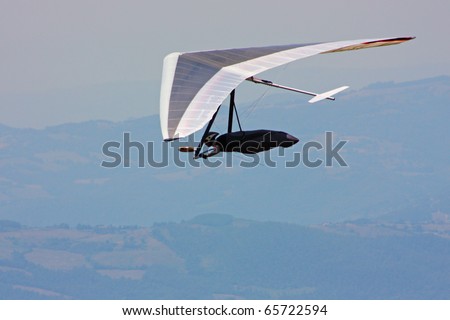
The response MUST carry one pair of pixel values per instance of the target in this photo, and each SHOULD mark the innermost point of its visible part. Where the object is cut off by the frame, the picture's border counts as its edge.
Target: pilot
(247, 142)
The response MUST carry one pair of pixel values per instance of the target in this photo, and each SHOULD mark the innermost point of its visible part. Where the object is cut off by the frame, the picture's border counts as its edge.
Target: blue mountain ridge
(217, 256)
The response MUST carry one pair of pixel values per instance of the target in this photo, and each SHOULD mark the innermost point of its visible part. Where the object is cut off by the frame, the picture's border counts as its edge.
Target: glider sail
(194, 84)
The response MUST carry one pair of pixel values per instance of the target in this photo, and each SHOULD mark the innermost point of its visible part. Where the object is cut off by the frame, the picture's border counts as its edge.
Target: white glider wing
(194, 84)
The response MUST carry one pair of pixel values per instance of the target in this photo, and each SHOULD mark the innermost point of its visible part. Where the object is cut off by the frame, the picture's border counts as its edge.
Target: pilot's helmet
(211, 138)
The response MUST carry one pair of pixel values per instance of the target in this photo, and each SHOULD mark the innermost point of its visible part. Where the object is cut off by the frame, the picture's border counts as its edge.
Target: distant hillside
(397, 154)
(221, 257)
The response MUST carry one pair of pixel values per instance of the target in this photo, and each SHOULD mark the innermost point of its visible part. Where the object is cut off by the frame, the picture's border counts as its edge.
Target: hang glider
(194, 84)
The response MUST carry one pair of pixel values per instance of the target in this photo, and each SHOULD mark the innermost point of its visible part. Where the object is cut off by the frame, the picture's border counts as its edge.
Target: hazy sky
(54, 46)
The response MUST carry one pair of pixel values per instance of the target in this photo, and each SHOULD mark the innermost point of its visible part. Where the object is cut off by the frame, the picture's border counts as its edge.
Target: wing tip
(387, 41)
(373, 44)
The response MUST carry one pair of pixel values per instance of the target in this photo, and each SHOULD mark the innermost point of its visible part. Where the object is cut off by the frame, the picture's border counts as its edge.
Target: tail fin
(327, 95)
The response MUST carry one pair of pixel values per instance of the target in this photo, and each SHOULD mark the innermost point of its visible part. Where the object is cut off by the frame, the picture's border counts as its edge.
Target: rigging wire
(246, 114)
(237, 116)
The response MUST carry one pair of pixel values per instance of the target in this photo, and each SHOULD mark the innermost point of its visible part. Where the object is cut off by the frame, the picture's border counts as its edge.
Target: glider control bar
(317, 96)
